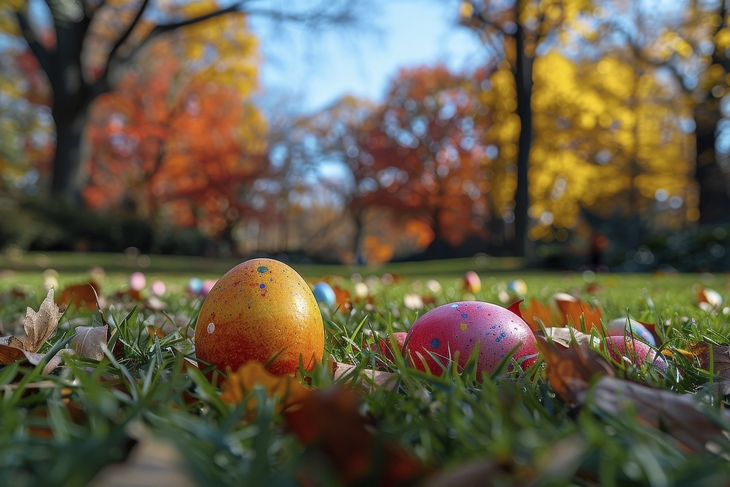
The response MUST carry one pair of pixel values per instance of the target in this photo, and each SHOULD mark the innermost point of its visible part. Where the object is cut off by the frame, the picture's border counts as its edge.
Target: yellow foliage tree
(608, 138)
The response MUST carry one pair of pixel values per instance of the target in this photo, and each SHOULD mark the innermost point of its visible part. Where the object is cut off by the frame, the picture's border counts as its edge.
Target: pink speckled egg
(622, 348)
(459, 326)
(472, 283)
(260, 310)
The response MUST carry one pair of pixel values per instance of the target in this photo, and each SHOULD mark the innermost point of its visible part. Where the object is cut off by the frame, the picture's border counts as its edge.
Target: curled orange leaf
(240, 383)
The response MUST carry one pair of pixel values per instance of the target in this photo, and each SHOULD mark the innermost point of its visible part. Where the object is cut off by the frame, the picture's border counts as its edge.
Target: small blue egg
(323, 293)
(195, 285)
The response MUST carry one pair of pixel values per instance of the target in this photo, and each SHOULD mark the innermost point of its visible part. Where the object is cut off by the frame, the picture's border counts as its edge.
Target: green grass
(510, 421)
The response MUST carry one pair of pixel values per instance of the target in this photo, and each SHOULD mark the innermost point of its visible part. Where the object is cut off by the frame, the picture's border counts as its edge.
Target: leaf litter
(340, 422)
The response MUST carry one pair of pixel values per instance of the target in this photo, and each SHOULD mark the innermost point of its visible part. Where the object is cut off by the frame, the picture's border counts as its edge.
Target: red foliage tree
(420, 155)
(174, 149)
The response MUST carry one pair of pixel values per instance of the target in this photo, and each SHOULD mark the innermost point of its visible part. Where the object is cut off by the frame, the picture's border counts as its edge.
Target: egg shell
(386, 349)
(459, 326)
(472, 282)
(260, 309)
(324, 293)
(517, 289)
(621, 348)
(619, 327)
(195, 285)
(137, 281)
(159, 288)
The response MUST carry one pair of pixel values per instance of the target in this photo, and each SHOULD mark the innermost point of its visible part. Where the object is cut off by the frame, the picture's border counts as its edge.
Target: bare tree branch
(125, 36)
(39, 51)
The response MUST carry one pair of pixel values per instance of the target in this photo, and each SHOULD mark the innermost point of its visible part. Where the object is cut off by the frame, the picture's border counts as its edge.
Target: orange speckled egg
(260, 309)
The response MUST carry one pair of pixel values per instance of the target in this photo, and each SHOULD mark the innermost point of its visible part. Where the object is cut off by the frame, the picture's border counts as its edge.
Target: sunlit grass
(509, 419)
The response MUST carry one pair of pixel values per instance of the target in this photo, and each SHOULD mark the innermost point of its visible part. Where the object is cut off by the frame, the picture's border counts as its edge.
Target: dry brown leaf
(11, 341)
(89, 341)
(369, 380)
(40, 325)
(80, 295)
(330, 419)
(571, 369)
(721, 368)
(700, 352)
(566, 335)
(680, 415)
(9, 354)
(55, 361)
(238, 384)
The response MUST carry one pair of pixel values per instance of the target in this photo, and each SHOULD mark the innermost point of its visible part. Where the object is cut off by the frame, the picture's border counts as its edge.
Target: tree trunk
(523, 81)
(71, 99)
(714, 204)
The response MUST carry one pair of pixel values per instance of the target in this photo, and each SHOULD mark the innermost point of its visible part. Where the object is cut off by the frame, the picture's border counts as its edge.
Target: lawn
(143, 411)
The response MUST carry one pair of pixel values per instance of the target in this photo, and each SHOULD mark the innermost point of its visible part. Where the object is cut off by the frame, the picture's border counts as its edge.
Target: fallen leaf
(330, 420)
(515, 308)
(570, 370)
(154, 331)
(571, 312)
(9, 354)
(11, 341)
(720, 361)
(680, 415)
(40, 325)
(342, 298)
(369, 380)
(55, 361)
(80, 295)
(566, 335)
(89, 341)
(238, 384)
(534, 312)
(129, 295)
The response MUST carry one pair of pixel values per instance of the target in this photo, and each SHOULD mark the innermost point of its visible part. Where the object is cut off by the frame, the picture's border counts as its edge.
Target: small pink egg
(137, 281)
(622, 348)
(158, 288)
(459, 326)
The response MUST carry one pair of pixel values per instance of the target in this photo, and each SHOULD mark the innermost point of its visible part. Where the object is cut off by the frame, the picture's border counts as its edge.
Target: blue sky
(313, 68)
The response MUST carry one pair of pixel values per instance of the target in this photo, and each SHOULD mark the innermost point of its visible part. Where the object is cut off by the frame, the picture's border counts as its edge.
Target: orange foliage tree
(174, 149)
(420, 156)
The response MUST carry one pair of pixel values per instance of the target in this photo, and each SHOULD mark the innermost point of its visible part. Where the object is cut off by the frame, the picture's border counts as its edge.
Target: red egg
(385, 348)
(459, 327)
(622, 348)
